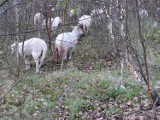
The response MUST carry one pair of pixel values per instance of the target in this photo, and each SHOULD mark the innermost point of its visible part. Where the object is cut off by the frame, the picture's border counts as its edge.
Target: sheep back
(65, 40)
(31, 46)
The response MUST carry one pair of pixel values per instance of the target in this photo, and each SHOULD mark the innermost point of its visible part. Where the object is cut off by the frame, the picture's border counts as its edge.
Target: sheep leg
(87, 29)
(62, 63)
(36, 60)
(41, 63)
(65, 54)
(27, 64)
(37, 66)
(71, 52)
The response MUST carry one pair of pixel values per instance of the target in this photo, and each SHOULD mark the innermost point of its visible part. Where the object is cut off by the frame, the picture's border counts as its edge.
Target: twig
(13, 5)
(1, 98)
(3, 2)
(60, 99)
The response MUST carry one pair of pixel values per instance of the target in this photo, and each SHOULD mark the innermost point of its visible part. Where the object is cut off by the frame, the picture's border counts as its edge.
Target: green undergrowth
(70, 90)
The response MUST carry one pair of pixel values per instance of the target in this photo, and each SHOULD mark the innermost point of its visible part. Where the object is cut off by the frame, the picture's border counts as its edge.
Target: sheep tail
(43, 55)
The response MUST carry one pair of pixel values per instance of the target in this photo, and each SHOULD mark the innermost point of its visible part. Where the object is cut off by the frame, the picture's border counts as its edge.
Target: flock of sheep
(64, 42)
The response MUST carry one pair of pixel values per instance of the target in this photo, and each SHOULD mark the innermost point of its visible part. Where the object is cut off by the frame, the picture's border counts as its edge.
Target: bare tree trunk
(17, 26)
(63, 22)
(110, 25)
(17, 36)
(48, 17)
(122, 20)
(146, 79)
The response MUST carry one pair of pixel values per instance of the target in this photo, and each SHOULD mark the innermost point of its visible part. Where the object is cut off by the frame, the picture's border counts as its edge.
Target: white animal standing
(38, 19)
(85, 21)
(34, 47)
(44, 23)
(56, 22)
(66, 41)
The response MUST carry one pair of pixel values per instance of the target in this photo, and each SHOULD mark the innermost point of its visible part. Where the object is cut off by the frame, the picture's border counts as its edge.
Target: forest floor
(89, 87)
(93, 90)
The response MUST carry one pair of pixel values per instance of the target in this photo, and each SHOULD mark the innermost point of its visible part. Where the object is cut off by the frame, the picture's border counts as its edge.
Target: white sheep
(85, 21)
(34, 47)
(38, 19)
(66, 41)
(57, 20)
(44, 23)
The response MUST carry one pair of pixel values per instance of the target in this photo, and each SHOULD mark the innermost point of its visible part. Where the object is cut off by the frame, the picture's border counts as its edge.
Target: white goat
(38, 19)
(55, 23)
(34, 47)
(66, 41)
(44, 23)
(85, 21)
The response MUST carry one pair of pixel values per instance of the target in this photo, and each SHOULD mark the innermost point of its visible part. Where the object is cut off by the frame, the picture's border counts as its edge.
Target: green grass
(42, 93)
(113, 110)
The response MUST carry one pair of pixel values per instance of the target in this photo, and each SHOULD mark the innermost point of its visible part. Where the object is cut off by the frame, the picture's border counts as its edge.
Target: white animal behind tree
(34, 47)
(66, 41)
(55, 22)
(44, 22)
(38, 19)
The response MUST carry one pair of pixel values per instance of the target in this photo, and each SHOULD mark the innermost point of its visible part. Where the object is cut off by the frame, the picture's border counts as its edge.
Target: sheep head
(79, 29)
(83, 28)
(60, 21)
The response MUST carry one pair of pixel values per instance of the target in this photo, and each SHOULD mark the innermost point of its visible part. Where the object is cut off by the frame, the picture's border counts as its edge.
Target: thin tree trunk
(146, 79)
(17, 36)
